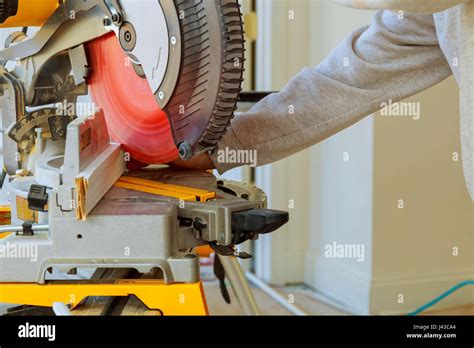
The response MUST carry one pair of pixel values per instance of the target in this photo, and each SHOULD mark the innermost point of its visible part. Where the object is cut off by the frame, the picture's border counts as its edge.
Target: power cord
(441, 297)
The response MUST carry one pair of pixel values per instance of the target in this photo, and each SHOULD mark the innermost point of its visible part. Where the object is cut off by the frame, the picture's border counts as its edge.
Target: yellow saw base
(170, 299)
(31, 13)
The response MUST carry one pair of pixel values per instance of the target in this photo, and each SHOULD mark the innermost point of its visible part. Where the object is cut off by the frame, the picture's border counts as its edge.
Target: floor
(302, 298)
(268, 306)
(465, 310)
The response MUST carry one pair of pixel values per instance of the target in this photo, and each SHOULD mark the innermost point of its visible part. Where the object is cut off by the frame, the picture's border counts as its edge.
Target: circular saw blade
(202, 101)
(133, 117)
(211, 72)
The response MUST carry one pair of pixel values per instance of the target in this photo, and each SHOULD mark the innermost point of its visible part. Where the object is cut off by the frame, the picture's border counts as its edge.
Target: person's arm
(391, 59)
(411, 6)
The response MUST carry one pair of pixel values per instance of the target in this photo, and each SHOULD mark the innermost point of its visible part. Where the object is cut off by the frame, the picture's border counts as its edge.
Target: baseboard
(385, 294)
(363, 295)
(339, 283)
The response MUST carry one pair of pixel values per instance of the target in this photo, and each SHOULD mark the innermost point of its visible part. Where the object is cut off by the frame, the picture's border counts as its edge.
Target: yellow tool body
(170, 299)
(31, 13)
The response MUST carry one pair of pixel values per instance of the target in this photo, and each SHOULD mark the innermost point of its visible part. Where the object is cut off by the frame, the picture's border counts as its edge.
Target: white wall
(280, 256)
(341, 209)
(414, 252)
(342, 197)
(286, 46)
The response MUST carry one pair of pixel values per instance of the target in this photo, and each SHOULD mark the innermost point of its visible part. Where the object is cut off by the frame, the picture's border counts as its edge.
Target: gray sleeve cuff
(229, 142)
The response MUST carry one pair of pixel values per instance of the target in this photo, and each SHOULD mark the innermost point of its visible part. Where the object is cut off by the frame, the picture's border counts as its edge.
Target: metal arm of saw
(148, 32)
(111, 8)
(65, 12)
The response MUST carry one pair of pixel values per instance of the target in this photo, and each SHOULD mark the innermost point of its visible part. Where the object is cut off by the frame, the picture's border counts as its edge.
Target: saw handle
(250, 223)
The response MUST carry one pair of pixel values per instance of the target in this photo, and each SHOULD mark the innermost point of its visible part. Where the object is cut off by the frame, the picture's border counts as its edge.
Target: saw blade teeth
(211, 75)
(232, 75)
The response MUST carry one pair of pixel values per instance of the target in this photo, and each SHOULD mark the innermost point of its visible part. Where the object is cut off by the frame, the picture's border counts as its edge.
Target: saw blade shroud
(204, 98)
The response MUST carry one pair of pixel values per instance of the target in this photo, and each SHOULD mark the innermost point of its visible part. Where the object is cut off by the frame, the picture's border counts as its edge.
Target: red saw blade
(133, 117)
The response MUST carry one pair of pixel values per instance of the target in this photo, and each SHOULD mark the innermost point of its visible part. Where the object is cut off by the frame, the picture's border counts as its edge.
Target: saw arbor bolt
(185, 150)
(127, 37)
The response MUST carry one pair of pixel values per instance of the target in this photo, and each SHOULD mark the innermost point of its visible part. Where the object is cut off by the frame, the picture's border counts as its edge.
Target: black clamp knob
(27, 229)
(37, 198)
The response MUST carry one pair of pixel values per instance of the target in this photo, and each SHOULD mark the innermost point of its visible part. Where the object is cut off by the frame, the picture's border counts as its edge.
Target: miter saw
(165, 76)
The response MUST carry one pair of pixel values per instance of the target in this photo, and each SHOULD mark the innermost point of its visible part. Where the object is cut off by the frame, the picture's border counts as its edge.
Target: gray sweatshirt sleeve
(412, 6)
(389, 60)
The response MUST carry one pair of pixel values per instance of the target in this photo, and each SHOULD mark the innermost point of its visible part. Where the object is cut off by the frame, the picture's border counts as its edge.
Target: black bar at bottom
(430, 330)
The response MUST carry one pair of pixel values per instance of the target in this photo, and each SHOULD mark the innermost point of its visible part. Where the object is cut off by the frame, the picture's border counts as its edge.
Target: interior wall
(341, 193)
(282, 51)
(424, 248)
(351, 202)
(341, 197)
(408, 252)
(341, 209)
(293, 35)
